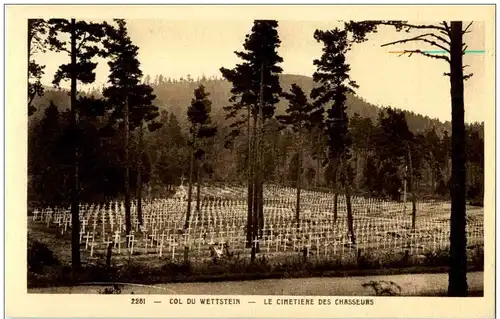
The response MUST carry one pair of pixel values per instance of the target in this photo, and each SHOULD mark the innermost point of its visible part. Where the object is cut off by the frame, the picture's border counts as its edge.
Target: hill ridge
(175, 95)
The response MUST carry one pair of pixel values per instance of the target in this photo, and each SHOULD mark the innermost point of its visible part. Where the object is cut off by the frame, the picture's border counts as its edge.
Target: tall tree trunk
(350, 219)
(126, 146)
(318, 151)
(198, 182)
(254, 188)
(250, 163)
(299, 169)
(30, 37)
(335, 195)
(139, 175)
(75, 218)
(335, 200)
(457, 285)
(261, 183)
(257, 173)
(316, 182)
(413, 193)
(190, 185)
(260, 211)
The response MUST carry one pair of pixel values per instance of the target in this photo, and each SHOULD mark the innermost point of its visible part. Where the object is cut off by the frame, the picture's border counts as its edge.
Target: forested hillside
(378, 172)
(174, 95)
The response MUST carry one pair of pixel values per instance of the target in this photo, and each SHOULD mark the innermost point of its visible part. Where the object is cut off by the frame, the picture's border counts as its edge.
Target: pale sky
(176, 48)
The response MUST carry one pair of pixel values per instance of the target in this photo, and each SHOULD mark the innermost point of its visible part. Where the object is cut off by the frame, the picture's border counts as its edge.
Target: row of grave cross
(222, 221)
(280, 241)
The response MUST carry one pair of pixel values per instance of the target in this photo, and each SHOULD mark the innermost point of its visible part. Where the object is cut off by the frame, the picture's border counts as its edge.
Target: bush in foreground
(39, 256)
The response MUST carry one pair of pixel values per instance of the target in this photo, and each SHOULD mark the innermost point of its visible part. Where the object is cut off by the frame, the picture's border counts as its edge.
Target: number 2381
(138, 301)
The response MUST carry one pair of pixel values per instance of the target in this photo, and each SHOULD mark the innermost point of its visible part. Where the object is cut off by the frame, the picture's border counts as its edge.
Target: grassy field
(384, 239)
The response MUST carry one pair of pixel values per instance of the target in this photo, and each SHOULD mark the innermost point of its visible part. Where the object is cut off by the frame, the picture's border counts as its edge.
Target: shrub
(367, 259)
(39, 255)
(112, 290)
(476, 260)
(175, 269)
(437, 258)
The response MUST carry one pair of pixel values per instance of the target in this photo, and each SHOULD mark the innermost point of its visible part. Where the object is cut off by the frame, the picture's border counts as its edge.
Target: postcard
(316, 161)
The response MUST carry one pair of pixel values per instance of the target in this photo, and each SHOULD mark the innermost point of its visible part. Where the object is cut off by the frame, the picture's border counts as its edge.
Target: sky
(176, 48)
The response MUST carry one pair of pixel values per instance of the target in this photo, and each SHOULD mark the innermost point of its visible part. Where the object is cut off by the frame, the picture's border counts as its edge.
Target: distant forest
(378, 135)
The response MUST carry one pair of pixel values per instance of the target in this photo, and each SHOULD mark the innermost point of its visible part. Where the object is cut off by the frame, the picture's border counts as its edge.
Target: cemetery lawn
(153, 270)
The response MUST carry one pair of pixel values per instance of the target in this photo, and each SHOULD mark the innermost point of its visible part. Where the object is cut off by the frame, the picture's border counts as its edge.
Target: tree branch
(440, 38)
(468, 76)
(410, 52)
(65, 50)
(412, 26)
(85, 36)
(467, 28)
(418, 38)
(447, 30)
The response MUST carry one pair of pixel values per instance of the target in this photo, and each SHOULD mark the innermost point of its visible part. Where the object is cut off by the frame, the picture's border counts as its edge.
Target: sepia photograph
(314, 162)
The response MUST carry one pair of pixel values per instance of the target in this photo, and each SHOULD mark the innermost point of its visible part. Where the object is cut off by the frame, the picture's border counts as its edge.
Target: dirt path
(411, 285)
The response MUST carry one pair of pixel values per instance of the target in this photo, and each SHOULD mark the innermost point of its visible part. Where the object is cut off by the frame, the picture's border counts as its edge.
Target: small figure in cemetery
(215, 252)
(229, 253)
(181, 192)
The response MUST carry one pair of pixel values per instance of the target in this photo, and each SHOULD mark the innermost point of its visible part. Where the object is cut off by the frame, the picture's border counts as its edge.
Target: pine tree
(201, 128)
(46, 159)
(300, 117)
(448, 37)
(332, 77)
(361, 130)
(81, 48)
(256, 88)
(130, 100)
(37, 28)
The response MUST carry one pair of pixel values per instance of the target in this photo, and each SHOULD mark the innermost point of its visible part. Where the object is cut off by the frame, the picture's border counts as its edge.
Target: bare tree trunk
(318, 151)
(335, 200)
(261, 183)
(260, 162)
(190, 186)
(335, 195)
(139, 175)
(299, 171)
(128, 223)
(257, 179)
(350, 219)
(249, 183)
(413, 195)
(75, 218)
(457, 286)
(254, 189)
(30, 38)
(316, 182)
(198, 181)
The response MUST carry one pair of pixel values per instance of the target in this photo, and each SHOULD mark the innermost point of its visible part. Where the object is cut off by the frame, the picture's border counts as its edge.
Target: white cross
(92, 244)
(255, 242)
(161, 244)
(131, 241)
(173, 244)
(87, 239)
(117, 240)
